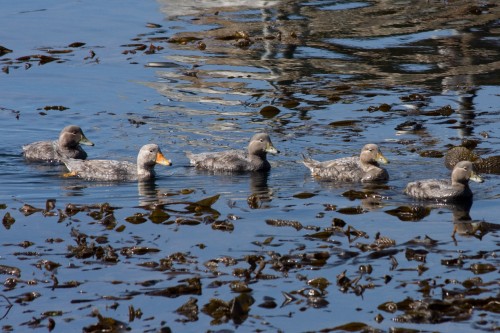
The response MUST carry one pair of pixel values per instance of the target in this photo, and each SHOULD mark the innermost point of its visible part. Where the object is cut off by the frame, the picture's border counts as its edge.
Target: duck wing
(437, 189)
(232, 160)
(346, 169)
(104, 170)
(41, 151)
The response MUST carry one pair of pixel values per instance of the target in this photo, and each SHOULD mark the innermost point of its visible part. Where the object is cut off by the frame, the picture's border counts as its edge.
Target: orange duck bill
(160, 159)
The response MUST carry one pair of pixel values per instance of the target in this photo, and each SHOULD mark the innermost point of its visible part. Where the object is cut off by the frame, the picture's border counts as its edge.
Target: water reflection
(260, 194)
(465, 226)
(289, 43)
(148, 192)
(463, 223)
(393, 41)
(173, 8)
(207, 98)
(258, 182)
(298, 25)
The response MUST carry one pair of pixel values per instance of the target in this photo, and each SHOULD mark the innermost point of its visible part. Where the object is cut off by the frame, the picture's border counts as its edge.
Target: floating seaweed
(410, 213)
(189, 310)
(8, 220)
(260, 256)
(269, 111)
(138, 250)
(183, 40)
(321, 283)
(4, 50)
(304, 195)
(344, 123)
(191, 287)
(10, 270)
(284, 223)
(106, 324)
(76, 44)
(236, 310)
(158, 216)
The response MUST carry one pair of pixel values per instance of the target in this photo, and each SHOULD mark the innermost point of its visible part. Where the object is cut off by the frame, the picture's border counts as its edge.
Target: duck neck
(63, 146)
(66, 149)
(258, 161)
(145, 171)
(368, 165)
(261, 156)
(463, 183)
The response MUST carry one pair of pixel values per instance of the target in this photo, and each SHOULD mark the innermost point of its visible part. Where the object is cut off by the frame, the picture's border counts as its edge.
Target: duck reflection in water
(260, 192)
(465, 226)
(148, 192)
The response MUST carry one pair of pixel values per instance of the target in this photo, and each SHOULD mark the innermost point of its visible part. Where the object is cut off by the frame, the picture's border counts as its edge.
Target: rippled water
(193, 76)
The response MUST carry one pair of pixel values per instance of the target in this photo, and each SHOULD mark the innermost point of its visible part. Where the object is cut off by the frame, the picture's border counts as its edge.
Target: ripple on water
(284, 251)
(395, 41)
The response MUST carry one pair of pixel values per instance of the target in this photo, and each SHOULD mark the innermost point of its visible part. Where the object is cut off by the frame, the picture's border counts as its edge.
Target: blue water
(209, 100)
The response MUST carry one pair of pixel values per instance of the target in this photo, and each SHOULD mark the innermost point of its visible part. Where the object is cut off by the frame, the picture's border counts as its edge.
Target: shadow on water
(273, 251)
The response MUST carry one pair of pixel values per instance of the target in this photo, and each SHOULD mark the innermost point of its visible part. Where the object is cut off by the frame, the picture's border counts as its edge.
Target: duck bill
(271, 150)
(476, 178)
(160, 159)
(85, 141)
(381, 158)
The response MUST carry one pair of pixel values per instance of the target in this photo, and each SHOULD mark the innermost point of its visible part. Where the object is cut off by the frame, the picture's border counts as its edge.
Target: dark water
(194, 76)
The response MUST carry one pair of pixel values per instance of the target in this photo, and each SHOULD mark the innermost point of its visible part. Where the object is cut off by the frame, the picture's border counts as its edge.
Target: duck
(443, 190)
(67, 146)
(489, 164)
(364, 168)
(254, 159)
(111, 170)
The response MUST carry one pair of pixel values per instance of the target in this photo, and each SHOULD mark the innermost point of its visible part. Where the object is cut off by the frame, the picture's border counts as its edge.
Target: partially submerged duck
(455, 190)
(67, 146)
(109, 170)
(254, 159)
(489, 164)
(364, 168)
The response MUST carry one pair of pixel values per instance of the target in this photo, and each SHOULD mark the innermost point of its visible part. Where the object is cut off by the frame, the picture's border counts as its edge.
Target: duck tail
(309, 162)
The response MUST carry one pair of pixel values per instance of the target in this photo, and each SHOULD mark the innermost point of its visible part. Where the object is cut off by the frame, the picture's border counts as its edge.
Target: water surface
(193, 76)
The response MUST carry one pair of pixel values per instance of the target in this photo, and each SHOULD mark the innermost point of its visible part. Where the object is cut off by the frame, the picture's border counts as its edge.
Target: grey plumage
(254, 159)
(364, 168)
(67, 146)
(110, 170)
(446, 190)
